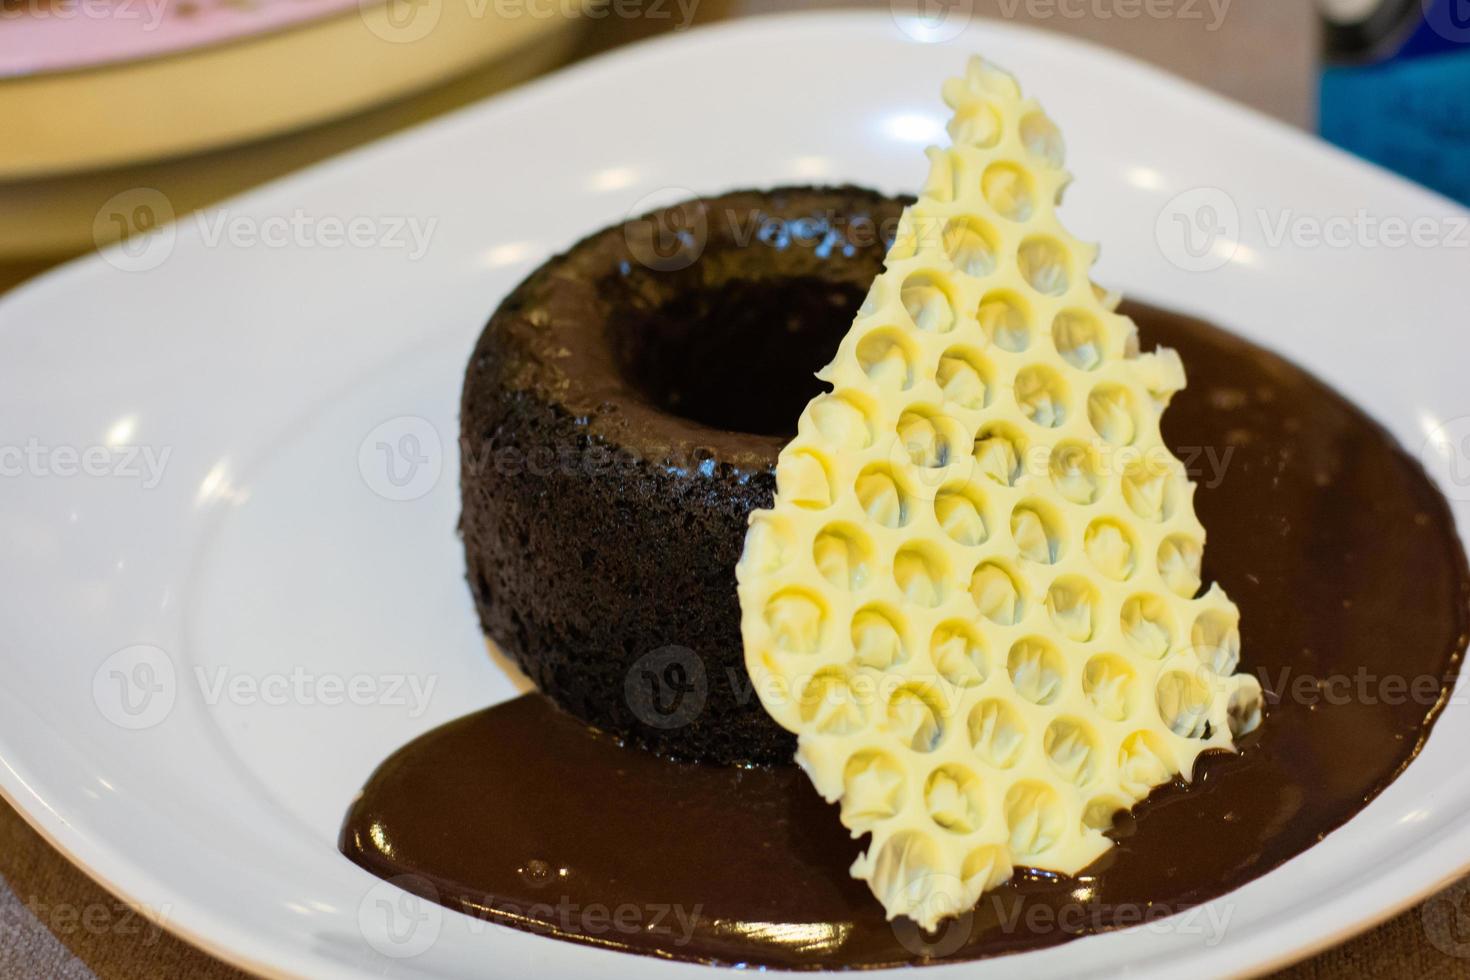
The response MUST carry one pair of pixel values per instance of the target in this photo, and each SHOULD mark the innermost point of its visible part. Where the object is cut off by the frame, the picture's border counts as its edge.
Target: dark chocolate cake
(622, 416)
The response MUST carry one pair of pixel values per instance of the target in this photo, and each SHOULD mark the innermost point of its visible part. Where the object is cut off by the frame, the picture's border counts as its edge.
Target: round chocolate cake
(622, 416)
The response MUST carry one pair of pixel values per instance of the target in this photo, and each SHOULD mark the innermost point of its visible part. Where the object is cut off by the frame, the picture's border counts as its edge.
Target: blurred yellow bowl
(198, 126)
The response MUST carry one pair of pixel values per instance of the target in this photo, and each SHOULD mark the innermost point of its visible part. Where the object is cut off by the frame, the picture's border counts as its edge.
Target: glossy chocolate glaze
(1353, 594)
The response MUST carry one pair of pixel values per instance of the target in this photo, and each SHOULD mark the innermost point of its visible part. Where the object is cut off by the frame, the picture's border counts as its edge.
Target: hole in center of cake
(739, 355)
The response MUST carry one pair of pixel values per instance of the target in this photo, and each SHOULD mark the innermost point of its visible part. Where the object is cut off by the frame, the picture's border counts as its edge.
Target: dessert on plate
(590, 399)
(951, 582)
(981, 525)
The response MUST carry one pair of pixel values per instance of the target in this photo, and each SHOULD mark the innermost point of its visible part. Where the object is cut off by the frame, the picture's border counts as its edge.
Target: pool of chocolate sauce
(1353, 593)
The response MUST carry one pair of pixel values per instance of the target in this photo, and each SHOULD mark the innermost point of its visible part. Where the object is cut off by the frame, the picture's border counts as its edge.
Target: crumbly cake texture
(976, 597)
(594, 546)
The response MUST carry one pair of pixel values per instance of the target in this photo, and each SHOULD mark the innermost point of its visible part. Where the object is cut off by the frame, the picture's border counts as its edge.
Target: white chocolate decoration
(975, 598)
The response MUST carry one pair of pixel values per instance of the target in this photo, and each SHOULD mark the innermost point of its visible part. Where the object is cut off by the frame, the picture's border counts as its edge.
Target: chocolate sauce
(1353, 593)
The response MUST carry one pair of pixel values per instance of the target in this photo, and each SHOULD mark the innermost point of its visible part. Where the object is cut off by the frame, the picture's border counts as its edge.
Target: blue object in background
(1396, 88)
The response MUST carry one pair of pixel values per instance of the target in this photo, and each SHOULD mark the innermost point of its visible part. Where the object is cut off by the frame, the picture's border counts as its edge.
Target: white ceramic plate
(176, 643)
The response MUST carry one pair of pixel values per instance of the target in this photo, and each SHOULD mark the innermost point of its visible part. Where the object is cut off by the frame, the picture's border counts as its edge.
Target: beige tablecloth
(54, 922)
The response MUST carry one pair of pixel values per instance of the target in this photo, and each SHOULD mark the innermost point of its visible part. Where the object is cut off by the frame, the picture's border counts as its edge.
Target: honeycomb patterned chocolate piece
(976, 598)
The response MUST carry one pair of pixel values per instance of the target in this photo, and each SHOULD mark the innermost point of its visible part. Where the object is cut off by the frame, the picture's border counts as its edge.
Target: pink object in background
(39, 36)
